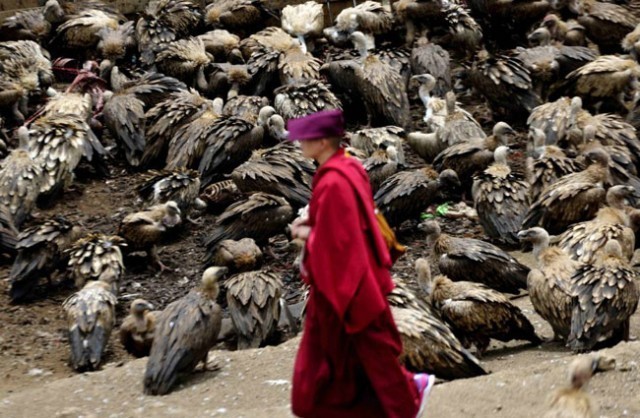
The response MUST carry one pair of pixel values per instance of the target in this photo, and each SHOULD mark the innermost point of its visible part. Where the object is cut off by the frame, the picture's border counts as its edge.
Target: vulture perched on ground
(369, 140)
(573, 198)
(584, 241)
(432, 59)
(501, 197)
(280, 170)
(548, 164)
(471, 259)
(20, 182)
(91, 315)
(143, 230)
(138, 328)
(238, 256)
(299, 99)
(185, 332)
(458, 127)
(605, 296)
(476, 313)
(184, 59)
(428, 343)
(97, 257)
(221, 195)
(606, 24)
(26, 25)
(181, 185)
(381, 165)
(253, 299)
(406, 194)
(260, 216)
(41, 252)
(467, 158)
(549, 284)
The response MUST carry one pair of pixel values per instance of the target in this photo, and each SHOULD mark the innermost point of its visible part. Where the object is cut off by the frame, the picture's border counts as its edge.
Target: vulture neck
(539, 246)
(425, 96)
(303, 44)
(201, 80)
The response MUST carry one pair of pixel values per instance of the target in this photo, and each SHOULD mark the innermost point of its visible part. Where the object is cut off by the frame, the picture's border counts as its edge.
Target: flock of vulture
(197, 97)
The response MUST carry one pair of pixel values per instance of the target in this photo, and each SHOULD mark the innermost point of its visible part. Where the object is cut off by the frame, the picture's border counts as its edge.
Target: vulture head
(276, 127)
(172, 214)
(500, 155)
(448, 179)
(392, 153)
(53, 12)
(139, 306)
(534, 235)
(598, 156)
(360, 43)
(450, 100)
(210, 279)
(582, 368)
(265, 113)
(540, 37)
(23, 137)
(432, 229)
(424, 80)
(502, 131)
(619, 196)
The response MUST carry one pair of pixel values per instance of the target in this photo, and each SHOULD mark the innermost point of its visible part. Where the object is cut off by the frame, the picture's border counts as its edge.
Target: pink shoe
(424, 382)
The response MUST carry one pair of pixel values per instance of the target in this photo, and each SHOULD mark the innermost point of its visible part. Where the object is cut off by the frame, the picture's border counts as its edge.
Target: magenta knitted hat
(324, 124)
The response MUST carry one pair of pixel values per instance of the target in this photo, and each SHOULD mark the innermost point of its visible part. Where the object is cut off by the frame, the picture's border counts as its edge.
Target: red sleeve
(338, 257)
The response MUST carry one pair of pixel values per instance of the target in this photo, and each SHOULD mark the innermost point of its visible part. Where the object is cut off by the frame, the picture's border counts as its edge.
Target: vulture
(138, 328)
(381, 87)
(20, 182)
(572, 401)
(124, 110)
(428, 343)
(184, 59)
(607, 82)
(166, 118)
(238, 256)
(164, 21)
(406, 194)
(457, 127)
(476, 313)
(25, 25)
(555, 119)
(235, 15)
(116, 44)
(304, 21)
(370, 140)
(253, 298)
(572, 198)
(91, 315)
(259, 216)
(181, 185)
(605, 23)
(465, 34)
(27, 64)
(13, 101)
(605, 295)
(143, 230)
(81, 31)
(467, 158)
(300, 99)
(381, 165)
(501, 197)
(280, 170)
(548, 164)
(506, 84)
(432, 59)
(41, 252)
(97, 257)
(222, 45)
(369, 17)
(61, 141)
(549, 284)
(218, 196)
(185, 332)
(584, 241)
(471, 259)
(417, 14)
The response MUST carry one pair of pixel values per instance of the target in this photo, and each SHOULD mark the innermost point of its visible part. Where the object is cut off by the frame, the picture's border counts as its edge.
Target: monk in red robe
(347, 364)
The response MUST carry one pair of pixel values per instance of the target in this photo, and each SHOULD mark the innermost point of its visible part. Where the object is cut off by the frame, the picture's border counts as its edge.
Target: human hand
(300, 231)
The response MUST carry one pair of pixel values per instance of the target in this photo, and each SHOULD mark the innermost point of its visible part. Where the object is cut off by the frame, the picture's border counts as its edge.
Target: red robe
(347, 364)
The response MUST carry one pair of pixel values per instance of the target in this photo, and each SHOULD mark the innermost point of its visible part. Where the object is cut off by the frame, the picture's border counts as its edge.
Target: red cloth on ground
(347, 364)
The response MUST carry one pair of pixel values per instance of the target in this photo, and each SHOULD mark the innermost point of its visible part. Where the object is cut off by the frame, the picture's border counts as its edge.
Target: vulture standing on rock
(471, 259)
(605, 296)
(260, 216)
(573, 198)
(138, 328)
(41, 251)
(97, 257)
(477, 313)
(143, 230)
(583, 241)
(501, 197)
(91, 315)
(428, 343)
(549, 284)
(406, 194)
(253, 298)
(185, 332)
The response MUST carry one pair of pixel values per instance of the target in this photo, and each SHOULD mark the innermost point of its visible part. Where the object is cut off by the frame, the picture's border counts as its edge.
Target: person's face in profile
(313, 148)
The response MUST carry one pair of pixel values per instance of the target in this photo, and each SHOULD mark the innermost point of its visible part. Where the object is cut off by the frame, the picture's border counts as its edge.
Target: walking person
(347, 364)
